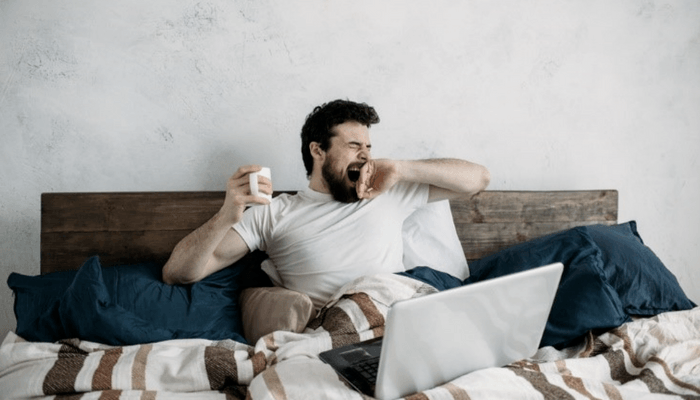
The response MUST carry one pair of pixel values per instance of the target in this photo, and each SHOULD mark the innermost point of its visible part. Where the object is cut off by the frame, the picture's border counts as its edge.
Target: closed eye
(358, 146)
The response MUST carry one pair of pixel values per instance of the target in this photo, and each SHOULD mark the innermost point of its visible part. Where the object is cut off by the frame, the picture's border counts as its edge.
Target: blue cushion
(585, 300)
(438, 279)
(128, 304)
(35, 297)
(643, 283)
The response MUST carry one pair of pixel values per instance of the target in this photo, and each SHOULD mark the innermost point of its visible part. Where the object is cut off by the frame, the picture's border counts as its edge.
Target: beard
(338, 185)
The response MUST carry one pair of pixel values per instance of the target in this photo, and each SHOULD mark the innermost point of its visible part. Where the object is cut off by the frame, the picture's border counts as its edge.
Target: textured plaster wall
(176, 94)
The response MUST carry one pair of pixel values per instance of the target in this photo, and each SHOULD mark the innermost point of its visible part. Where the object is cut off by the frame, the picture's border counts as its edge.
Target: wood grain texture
(494, 220)
(118, 212)
(135, 227)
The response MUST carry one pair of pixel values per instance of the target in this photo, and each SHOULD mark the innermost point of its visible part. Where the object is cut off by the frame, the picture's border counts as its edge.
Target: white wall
(176, 94)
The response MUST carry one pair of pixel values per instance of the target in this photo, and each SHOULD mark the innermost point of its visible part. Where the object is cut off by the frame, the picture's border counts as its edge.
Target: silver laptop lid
(433, 339)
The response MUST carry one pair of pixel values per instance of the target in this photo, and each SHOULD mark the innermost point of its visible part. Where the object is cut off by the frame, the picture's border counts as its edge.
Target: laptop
(434, 339)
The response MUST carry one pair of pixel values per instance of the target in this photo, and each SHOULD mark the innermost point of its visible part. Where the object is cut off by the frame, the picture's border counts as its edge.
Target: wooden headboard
(127, 228)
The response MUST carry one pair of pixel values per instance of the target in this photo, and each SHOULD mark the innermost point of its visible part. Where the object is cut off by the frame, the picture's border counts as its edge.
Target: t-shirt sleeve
(253, 227)
(410, 196)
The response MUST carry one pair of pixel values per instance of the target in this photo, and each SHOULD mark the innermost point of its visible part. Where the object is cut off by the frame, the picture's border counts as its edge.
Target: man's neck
(317, 183)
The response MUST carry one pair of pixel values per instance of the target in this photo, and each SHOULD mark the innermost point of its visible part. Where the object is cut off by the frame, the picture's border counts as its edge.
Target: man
(346, 224)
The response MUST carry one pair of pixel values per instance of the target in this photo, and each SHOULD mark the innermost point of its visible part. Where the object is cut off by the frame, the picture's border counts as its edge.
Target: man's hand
(238, 193)
(376, 177)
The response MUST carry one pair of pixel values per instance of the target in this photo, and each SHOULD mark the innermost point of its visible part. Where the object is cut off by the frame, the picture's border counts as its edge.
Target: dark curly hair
(319, 124)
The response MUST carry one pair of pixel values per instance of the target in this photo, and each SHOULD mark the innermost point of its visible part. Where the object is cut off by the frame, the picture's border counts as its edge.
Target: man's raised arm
(448, 178)
(215, 245)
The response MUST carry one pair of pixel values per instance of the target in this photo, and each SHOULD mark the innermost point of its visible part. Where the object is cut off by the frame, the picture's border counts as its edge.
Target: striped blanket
(654, 357)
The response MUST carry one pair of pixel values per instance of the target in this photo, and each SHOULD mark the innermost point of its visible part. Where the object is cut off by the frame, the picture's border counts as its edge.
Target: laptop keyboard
(368, 369)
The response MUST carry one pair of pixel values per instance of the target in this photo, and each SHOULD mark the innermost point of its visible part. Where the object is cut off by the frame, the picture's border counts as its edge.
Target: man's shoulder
(281, 204)
(288, 199)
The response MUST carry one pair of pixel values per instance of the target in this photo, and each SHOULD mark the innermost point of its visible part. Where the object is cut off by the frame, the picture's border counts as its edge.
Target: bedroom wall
(176, 94)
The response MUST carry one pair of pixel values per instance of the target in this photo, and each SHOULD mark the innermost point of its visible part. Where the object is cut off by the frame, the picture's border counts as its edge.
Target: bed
(97, 322)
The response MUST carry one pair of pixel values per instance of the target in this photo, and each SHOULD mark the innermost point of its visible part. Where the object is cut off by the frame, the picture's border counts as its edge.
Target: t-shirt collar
(317, 196)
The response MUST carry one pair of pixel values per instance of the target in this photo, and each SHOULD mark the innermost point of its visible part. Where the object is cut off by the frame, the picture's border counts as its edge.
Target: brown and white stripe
(76, 370)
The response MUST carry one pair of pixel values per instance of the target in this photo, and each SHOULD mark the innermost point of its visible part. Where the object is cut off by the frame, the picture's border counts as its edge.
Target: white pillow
(430, 240)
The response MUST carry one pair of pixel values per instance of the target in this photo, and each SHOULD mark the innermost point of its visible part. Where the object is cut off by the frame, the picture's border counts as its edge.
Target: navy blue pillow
(643, 283)
(87, 311)
(438, 279)
(35, 297)
(585, 301)
(128, 304)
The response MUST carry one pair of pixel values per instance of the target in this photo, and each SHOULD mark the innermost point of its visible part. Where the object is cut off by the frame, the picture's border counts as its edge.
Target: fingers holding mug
(261, 183)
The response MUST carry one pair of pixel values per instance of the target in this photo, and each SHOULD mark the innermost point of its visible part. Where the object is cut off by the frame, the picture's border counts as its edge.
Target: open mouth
(354, 173)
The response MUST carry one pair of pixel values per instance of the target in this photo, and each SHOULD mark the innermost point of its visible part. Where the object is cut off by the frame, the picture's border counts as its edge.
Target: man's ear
(316, 152)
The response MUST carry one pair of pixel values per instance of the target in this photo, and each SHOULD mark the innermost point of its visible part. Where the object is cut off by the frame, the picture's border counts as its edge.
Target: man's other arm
(216, 245)
(448, 178)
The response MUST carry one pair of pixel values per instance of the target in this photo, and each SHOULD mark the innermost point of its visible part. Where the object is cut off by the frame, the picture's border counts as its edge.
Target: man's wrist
(225, 219)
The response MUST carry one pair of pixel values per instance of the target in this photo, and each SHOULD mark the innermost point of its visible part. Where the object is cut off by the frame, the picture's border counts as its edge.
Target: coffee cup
(254, 189)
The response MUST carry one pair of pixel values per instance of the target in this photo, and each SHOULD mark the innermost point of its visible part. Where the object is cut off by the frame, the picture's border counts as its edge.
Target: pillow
(430, 240)
(128, 304)
(87, 311)
(270, 309)
(36, 295)
(585, 300)
(437, 279)
(643, 283)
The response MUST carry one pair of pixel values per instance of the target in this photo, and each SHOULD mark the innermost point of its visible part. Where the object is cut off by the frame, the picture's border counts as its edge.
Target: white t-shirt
(319, 244)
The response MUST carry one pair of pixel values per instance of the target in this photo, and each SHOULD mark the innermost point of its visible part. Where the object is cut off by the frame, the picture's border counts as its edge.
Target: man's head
(335, 144)
(320, 123)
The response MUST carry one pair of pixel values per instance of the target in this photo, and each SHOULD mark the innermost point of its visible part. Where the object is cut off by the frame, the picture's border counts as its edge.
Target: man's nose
(364, 153)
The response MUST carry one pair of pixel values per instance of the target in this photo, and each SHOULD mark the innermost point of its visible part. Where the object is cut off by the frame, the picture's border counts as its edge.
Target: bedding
(656, 355)
(645, 286)
(609, 276)
(129, 304)
(430, 239)
(623, 328)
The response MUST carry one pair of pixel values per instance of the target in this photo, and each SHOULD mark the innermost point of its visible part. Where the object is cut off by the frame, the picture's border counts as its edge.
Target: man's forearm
(458, 176)
(215, 245)
(188, 261)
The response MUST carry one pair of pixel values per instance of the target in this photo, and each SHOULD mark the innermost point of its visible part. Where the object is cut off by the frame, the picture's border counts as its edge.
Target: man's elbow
(485, 179)
(168, 277)
(171, 277)
(478, 181)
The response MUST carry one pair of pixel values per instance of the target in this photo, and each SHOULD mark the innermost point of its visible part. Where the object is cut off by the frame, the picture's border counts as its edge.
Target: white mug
(253, 176)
